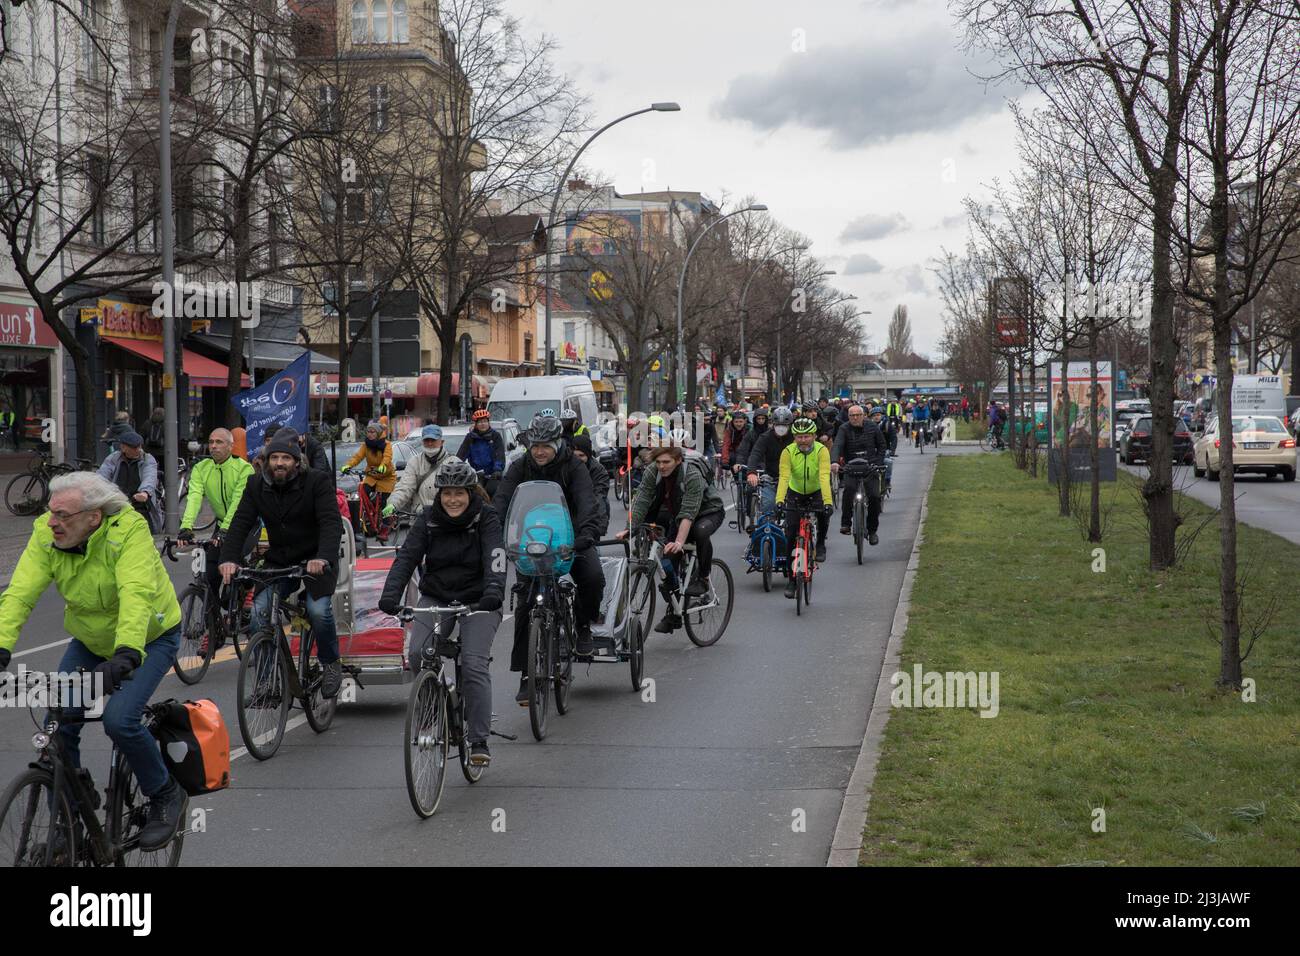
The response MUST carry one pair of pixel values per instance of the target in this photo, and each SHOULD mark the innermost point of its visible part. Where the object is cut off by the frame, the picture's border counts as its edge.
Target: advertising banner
(1070, 422)
(281, 400)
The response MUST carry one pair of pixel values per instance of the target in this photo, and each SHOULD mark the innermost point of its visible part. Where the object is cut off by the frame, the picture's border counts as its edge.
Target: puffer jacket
(486, 451)
(460, 559)
(376, 459)
(866, 441)
(116, 594)
(416, 486)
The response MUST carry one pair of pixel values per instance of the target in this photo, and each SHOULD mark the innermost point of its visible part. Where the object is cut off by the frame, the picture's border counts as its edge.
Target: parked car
(1260, 444)
(1135, 446)
(1124, 419)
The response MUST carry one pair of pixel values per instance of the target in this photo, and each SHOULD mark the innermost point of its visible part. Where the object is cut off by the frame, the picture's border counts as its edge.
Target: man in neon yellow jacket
(221, 480)
(805, 483)
(122, 615)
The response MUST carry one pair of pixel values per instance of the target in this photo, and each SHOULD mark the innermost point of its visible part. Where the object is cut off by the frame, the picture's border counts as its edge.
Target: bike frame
(802, 564)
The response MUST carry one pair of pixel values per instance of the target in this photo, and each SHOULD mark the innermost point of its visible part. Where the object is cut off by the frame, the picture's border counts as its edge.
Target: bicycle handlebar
(407, 614)
(267, 575)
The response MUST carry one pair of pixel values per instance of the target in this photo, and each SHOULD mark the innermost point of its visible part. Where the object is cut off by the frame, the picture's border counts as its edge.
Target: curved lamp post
(828, 272)
(549, 365)
(681, 287)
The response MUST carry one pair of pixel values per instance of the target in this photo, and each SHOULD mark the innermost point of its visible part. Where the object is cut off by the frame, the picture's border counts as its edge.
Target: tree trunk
(1159, 487)
(343, 300)
(235, 369)
(85, 397)
(1094, 454)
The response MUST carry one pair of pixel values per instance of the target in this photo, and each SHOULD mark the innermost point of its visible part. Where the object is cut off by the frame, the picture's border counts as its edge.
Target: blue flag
(282, 399)
(721, 397)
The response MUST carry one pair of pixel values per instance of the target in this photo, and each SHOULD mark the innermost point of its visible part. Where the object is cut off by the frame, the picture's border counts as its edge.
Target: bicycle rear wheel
(768, 558)
(320, 711)
(562, 667)
(426, 743)
(705, 627)
(26, 494)
(126, 818)
(539, 674)
(197, 644)
(263, 690)
(32, 832)
(636, 650)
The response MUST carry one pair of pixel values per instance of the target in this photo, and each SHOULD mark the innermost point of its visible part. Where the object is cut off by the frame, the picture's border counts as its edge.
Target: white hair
(97, 494)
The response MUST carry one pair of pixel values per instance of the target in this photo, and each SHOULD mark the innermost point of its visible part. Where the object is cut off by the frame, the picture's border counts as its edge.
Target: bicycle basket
(539, 532)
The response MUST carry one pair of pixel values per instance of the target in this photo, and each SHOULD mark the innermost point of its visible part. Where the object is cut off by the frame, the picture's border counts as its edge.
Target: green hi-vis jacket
(223, 486)
(117, 594)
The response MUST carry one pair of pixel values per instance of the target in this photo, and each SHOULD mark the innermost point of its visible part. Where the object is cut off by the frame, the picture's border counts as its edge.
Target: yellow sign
(600, 287)
(167, 381)
(654, 366)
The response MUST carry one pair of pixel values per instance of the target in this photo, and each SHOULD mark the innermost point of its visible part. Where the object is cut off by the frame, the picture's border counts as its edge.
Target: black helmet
(782, 416)
(455, 473)
(544, 428)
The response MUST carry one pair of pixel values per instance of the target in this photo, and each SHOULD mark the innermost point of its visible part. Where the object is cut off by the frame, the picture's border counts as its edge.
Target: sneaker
(163, 815)
(820, 556)
(668, 624)
(697, 588)
(521, 698)
(874, 539)
(845, 529)
(479, 755)
(331, 680)
(586, 646)
(790, 586)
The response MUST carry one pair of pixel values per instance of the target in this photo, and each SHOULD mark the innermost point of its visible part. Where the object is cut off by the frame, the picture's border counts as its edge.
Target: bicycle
(552, 627)
(804, 560)
(206, 623)
(992, 440)
(435, 714)
(740, 497)
(47, 815)
(863, 471)
(721, 473)
(705, 617)
(370, 513)
(766, 552)
(268, 681)
(28, 492)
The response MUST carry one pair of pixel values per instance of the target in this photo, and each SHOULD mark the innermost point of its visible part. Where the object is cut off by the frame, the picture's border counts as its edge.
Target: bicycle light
(536, 549)
(40, 740)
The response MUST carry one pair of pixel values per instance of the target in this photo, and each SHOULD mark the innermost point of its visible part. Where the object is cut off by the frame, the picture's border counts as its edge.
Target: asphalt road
(1262, 500)
(743, 741)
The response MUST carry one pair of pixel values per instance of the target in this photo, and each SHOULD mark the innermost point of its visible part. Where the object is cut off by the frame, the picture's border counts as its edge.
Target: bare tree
(898, 345)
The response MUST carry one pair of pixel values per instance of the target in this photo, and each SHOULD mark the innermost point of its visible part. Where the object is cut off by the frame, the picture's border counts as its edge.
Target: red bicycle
(370, 506)
(804, 560)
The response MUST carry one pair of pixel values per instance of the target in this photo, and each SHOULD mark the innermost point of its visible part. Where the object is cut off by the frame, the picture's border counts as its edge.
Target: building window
(272, 239)
(329, 299)
(328, 107)
(379, 18)
(355, 209)
(379, 200)
(92, 62)
(328, 205)
(379, 107)
(401, 33)
(360, 22)
(97, 195)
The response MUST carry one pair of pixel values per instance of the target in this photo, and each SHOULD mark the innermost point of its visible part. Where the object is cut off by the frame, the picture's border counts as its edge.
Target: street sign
(654, 366)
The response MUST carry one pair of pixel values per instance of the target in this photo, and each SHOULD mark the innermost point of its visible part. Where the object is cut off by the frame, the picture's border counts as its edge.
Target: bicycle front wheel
(32, 831)
(642, 597)
(263, 690)
(706, 625)
(196, 650)
(859, 520)
(636, 650)
(539, 674)
(766, 550)
(26, 494)
(562, 668)
(427, 743)
(127, 816)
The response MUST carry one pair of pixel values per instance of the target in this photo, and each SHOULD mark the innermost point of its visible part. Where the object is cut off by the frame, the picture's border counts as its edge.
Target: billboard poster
(1070, 405)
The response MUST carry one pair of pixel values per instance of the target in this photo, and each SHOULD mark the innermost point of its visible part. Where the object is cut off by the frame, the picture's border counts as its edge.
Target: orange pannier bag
(195, 744)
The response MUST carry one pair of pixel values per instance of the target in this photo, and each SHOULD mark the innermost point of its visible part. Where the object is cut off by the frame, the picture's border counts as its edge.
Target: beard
(281, 475)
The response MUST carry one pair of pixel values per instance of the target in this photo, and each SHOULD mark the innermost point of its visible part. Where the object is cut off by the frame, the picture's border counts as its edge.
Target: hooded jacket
(747, 446)
(572, 476)
(116, 594)
(459, 558)
(766, 454)
(486, 451)
(415, 486)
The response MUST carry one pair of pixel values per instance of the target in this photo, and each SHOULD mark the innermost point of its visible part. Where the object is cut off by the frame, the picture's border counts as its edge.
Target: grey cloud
(913, 279)
(860, 265)
(872, 226)
(863, 95)
(952, 222)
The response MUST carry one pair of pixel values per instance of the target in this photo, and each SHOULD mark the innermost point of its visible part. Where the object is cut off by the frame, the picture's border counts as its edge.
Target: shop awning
(203, 372)
(430, 381)
(269, 354)
(600, 385)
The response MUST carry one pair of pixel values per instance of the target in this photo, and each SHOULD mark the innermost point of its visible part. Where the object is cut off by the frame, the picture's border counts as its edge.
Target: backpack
(195, 744)
(701, 466)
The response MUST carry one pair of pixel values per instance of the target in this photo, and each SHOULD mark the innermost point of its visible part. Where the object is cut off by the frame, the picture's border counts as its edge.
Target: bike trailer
(370, 640)
(195, 744)
(610, 629)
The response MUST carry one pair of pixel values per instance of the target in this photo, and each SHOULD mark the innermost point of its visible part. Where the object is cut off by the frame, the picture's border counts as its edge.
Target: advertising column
(1070, 420)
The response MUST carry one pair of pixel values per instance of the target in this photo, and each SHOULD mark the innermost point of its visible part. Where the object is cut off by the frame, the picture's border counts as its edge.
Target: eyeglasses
(63, 516)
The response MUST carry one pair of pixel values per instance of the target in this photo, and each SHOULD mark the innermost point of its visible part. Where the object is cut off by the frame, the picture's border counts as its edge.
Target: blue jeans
(320, 611)
(125, 709)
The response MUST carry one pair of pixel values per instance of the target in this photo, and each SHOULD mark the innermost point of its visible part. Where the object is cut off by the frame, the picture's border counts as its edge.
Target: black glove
(186, 535)
(4, 658)
(118, 668)
(389, 606)
(828, 510)
(488, 602)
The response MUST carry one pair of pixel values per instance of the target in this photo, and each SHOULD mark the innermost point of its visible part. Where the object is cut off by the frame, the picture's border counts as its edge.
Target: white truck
(1258, 395)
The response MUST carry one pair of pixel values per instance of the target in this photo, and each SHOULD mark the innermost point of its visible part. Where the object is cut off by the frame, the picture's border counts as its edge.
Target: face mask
(781, 429)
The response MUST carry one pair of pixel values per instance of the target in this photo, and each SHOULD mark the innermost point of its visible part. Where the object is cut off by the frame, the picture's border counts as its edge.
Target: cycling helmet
(810, 410)
(782, 416)
(543, 429)
(830, 414)
(681, 437)
(804, 426)
(455, 473)
(741, 414)
(877, 410)
(568, 415)
(481, 415)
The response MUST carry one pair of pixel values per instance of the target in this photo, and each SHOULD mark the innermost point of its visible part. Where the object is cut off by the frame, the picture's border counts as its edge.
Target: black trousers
(589, 576)
(850, 485)
(700, 535)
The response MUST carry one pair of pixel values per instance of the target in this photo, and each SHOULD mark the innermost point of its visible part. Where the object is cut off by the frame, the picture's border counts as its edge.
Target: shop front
(407, 400)
(31, 362)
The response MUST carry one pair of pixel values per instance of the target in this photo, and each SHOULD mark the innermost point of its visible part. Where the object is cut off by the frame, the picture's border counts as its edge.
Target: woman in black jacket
(456, 542)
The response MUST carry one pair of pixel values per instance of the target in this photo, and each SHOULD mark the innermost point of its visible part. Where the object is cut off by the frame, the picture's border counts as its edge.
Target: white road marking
(293, 724)
(43, 647)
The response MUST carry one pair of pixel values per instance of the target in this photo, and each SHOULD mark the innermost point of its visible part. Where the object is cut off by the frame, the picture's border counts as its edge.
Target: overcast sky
(866, 141)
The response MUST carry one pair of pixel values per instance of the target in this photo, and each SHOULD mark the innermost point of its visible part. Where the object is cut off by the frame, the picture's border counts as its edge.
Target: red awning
(429, 382)
(203, 372)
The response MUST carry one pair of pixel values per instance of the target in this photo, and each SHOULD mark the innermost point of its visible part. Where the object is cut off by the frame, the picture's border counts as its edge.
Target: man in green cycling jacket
(221, 480)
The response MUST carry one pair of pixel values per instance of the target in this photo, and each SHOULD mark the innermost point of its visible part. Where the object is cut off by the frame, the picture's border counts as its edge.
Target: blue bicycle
(766, 552)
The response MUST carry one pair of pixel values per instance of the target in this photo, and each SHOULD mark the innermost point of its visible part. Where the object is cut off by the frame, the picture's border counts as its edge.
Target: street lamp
(843, 298)
(555, 203)
(681, 286)
(744, 294)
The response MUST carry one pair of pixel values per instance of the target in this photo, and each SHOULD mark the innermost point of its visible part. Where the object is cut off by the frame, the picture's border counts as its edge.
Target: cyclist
(878, 416)
(415, 486)
(583, 451)
(573, 427)
(377, 451)
(485, 449)
(299, 511)
(737, 431)
(766, 456)
(921, 422)
(761, 419)
(677, 495)
(219, 480)
(860, 438)
(805, 479)
(995, 423)
(710, 447)
(549, 458)
(121, 613)
(135, 471)
(828, 426)
(456, 545)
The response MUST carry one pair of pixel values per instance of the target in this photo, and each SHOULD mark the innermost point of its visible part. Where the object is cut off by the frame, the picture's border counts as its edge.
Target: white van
(522, 398)
(1258, 395)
